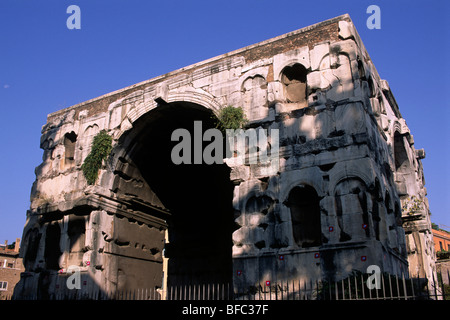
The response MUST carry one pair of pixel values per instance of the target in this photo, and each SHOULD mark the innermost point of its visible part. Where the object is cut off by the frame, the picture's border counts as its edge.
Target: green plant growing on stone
(101, 147)
(230, 118)
(442, 254)
(412, 205)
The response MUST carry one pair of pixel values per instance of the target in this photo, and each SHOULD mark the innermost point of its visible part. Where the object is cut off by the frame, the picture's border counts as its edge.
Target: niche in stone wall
(76, 232)
(351, 208)
(361, 69)
(401, 163)
(400, 155)
(294, 82)
(303, 203)
(70, 140)
(91, 130)
(377, 203)
(254, 90)
(52, 248)
(388, 203)
(260, 218)
(31, 240)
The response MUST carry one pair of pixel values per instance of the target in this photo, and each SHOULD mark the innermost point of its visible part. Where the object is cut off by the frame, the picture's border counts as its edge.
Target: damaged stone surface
(349, 191)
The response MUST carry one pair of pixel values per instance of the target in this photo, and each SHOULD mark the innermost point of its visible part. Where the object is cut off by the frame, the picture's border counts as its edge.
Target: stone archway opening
(199, 197)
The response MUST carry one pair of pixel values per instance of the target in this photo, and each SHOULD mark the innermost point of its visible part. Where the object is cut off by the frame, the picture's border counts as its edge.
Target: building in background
(10, 268)
(441, 240)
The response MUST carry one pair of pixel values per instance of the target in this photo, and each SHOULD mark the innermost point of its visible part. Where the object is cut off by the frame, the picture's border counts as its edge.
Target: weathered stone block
(345, 30)
(350, 118)
(240, 173)
(319, 57)
(275, 92)
(280, 61)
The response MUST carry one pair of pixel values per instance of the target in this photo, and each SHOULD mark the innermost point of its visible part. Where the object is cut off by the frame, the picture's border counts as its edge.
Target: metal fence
(355, 287)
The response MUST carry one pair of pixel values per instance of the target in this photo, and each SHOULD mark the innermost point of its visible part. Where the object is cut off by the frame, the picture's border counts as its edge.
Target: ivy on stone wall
(101, 147)
(230, 118)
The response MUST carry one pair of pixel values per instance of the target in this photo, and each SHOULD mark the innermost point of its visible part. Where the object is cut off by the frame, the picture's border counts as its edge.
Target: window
(440, 245)
(3, 285)
(303, 202)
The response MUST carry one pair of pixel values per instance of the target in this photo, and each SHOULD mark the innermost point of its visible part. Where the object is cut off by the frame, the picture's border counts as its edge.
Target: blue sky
(45, 67)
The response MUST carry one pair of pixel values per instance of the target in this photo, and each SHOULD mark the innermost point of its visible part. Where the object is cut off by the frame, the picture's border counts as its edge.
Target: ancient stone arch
(171, 189)
(149, 222)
